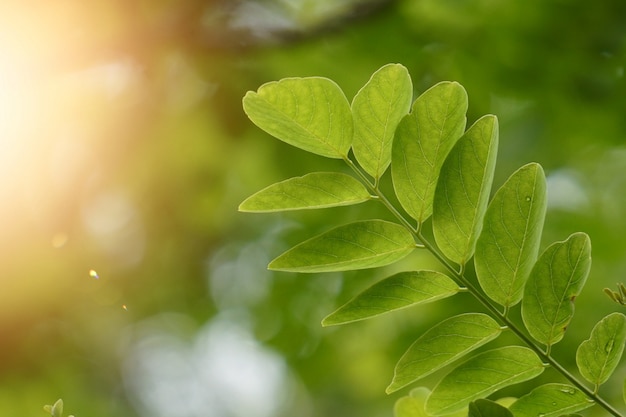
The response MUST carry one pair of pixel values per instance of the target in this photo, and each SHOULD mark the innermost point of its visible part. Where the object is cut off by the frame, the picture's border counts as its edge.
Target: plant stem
(462, 281)
(518, 332)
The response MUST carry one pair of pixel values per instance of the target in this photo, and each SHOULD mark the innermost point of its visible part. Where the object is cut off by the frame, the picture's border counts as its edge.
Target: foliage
(439, 169)
(55, 410)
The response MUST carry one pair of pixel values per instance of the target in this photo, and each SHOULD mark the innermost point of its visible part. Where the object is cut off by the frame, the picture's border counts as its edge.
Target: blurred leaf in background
(124, 150)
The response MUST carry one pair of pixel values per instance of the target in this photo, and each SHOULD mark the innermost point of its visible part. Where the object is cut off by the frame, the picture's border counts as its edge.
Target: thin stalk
(462, 281)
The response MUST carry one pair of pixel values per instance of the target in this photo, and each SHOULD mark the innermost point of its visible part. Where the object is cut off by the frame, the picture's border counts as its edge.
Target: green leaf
(462, 193)
(551, 400)
(377, 109)
(556, 279)
(55, 410)
(401, 290)
(412, 405)
(487, 408)
(598, 356)
(311, 191)
(310, 113)
(359, 245)
(507, 247)
(444, 343)
(481, 376)
(423, 140)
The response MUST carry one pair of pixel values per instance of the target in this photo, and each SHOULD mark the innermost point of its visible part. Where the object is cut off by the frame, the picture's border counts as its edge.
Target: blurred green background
(124, 151)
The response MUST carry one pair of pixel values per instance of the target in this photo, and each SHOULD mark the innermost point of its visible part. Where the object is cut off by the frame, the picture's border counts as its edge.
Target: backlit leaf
(315, 190)
(401, 290)
(377, 109)
(481, 376)
(359, 245)
(487, 408)
(412, 405)
(423, 140)
(598, 356)
(556, 279)
(462, 193)
(551, 400)
(507, 247)
(57, 409)
(310, 113)
(444, 343)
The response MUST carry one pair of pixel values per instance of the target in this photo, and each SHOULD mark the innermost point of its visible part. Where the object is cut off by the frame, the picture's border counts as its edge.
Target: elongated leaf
(359, 245)
(507, 247)
(310, 113)
(481, 376)
(315, 190)
(487, 408)
(401, 290)
(423, 140)
(446, 342)
(377, 109)
(556, 279)
(463, 189)
(551, 400)
(598, 356)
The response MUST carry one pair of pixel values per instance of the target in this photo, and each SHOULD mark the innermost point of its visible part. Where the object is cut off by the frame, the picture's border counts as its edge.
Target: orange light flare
(59, 108)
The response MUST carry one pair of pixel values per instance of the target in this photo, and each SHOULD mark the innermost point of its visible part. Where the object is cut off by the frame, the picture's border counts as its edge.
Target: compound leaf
(556, 279)
(551, 400)
(310, 113)
(377, 109)
(311, 191)
(487, 408)
(358, 245)
(444, 343)
(401, 290)
(462, 193)
(507, 247)
(598, 356)
(481, 376)
(422, 141)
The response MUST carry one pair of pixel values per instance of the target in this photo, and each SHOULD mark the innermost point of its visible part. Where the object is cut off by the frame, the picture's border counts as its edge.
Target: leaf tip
(391, 388)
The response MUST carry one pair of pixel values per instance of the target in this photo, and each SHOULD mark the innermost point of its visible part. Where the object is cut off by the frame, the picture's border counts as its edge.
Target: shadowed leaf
(487, 408)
